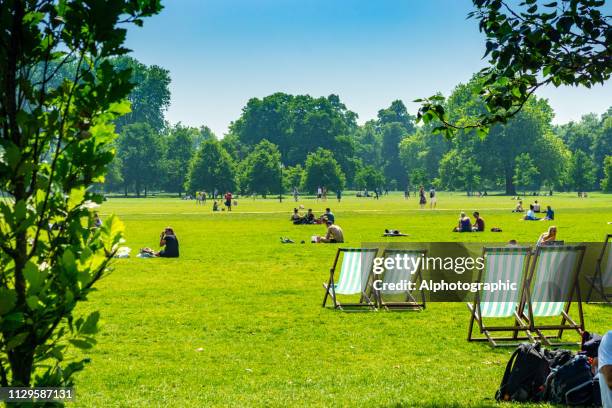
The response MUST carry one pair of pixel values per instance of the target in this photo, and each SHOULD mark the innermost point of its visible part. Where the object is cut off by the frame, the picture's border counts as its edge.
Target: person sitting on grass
(550, 214)
(309, 218)
(530, 216)
(519, 207)
(479, 224)
(334, 234)
(169, 243)
(215, 206)
(536, 206)
(465, 224)
(97, 221)
(296, 218)
(548, 236)
(328, 216)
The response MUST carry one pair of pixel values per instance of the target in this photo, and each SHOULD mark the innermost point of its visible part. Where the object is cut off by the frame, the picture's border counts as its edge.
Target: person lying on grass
(169, 243)
(548, 236)
(334, 234)
(465, 224)
(479, 224)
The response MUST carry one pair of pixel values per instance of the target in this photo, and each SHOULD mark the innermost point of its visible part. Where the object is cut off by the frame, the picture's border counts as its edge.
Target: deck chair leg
(591, 284)
(326, 295)
(471, 328)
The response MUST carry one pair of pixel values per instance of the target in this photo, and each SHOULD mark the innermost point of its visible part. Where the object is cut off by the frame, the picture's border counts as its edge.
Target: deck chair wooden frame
(410, 302)
(505, 309)
(533, 307)
(603, 274)
(365, 301)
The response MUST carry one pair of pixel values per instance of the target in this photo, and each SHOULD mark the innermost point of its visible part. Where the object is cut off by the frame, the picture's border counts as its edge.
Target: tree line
(286, 142)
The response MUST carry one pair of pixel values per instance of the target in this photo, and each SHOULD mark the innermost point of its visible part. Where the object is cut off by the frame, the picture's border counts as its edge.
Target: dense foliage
(526, 153)
(59, 96)
(530, 45)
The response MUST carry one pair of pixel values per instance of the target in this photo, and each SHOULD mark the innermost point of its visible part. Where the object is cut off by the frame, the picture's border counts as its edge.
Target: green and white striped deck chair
(601, 281)
(355, 271)
(501, 264)
(552, 287)
(400, 299)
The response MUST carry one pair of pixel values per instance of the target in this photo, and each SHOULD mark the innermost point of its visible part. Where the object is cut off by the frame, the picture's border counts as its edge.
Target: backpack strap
(501, 392)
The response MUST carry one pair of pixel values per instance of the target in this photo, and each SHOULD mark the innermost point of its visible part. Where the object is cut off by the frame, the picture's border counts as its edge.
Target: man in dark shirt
(170, 243)
(479, 224)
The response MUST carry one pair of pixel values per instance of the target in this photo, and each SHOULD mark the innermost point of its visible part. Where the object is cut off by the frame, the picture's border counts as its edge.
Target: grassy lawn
(237, 320)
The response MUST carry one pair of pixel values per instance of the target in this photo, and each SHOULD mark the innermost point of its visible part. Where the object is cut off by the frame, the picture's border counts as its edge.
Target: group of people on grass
(310, 218)
(422, 197)
(334, 233)
(465, 223)
(227, 200)
(533, 209)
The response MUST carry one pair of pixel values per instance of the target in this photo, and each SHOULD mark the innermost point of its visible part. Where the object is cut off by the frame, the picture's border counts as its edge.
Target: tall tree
(525, 171)
(56, 141)
(369, 178)
(322, 170)
(397, 113)
(606, 182)
(298, 125)
(178, 152)
(261, 173)
(150, 97)
(582, 171)
(212, 168)
(141, 153)
(392, 135)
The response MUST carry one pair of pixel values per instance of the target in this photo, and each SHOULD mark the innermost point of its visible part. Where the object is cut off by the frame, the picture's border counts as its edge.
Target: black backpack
(558, 357)
(590, 344)
(525, 375)
(571, 383)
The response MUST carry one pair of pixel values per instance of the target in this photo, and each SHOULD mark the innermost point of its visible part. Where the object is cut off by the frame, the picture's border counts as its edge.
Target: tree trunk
(125, 190)
(510, 189)
(21, 359)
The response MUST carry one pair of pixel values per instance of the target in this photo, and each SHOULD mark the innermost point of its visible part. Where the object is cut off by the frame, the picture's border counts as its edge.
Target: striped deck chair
(601, 281)
(354, 277)
(552, 287)
(395, 276)
(501, 264)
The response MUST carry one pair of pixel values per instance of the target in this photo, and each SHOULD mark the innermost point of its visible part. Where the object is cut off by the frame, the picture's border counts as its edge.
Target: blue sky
(220, 53)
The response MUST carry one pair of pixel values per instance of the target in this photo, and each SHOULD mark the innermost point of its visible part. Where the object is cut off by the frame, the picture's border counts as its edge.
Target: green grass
(253, 307)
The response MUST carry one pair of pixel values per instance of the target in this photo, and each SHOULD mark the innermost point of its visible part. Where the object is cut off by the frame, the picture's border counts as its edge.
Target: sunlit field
(237, 319)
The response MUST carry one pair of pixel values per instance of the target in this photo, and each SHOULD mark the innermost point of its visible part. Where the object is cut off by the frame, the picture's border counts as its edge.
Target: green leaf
(120, 108)
(16, 340)
(76, 198)
(81, 344)
(8, 300)
(90, 326)
(32, 302)
(34, 277)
